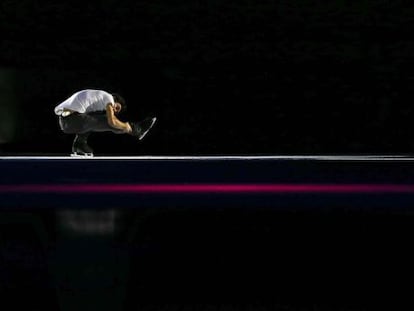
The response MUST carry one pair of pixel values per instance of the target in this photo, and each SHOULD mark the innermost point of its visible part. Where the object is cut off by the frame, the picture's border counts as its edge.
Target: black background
(233, 77)
(225, 77)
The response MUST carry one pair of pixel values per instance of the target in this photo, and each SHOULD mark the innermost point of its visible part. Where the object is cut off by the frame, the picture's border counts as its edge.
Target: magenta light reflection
(207, 188)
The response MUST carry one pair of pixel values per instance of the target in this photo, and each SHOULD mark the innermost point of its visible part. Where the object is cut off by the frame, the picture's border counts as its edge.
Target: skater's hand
(128, 128)
(114, 122)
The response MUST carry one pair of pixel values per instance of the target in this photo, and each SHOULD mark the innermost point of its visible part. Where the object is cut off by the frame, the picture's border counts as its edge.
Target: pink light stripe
(207, 188)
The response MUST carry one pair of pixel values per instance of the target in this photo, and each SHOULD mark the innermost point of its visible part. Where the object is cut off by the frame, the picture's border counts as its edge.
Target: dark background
(223, 77)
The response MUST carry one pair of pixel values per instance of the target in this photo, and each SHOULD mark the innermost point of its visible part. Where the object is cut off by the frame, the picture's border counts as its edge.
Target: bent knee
(66, 127)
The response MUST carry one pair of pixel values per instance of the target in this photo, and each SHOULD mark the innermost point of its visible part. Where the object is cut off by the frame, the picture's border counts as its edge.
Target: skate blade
(146, 132)
(81, 155)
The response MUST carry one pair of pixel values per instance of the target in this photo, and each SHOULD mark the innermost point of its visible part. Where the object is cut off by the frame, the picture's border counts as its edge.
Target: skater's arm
(114, 122)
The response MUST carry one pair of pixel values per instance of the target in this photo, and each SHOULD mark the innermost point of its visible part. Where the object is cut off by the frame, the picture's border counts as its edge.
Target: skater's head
(120, 105)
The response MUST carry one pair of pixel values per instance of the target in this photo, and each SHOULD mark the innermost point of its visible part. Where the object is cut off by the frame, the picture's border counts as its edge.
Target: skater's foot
(140, 129)
(81, 149)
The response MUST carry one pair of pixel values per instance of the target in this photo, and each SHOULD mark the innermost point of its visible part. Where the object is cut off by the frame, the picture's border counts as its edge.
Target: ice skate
(140, 129)
(81, 149)
(81, 154)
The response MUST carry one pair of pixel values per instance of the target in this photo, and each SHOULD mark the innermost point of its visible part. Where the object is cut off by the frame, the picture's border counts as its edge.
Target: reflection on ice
(88, 222)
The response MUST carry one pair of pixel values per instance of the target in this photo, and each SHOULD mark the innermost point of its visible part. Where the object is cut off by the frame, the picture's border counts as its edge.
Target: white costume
(86, 101)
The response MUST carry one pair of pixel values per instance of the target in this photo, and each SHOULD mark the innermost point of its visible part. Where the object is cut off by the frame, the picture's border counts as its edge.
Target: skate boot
(81, 148)
(140, 129)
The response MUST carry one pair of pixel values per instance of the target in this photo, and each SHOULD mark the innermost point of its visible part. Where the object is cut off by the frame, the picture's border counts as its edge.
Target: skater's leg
(78, 123)
(80, 144)
(73, 124)
(98, 122)
(82, 125)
